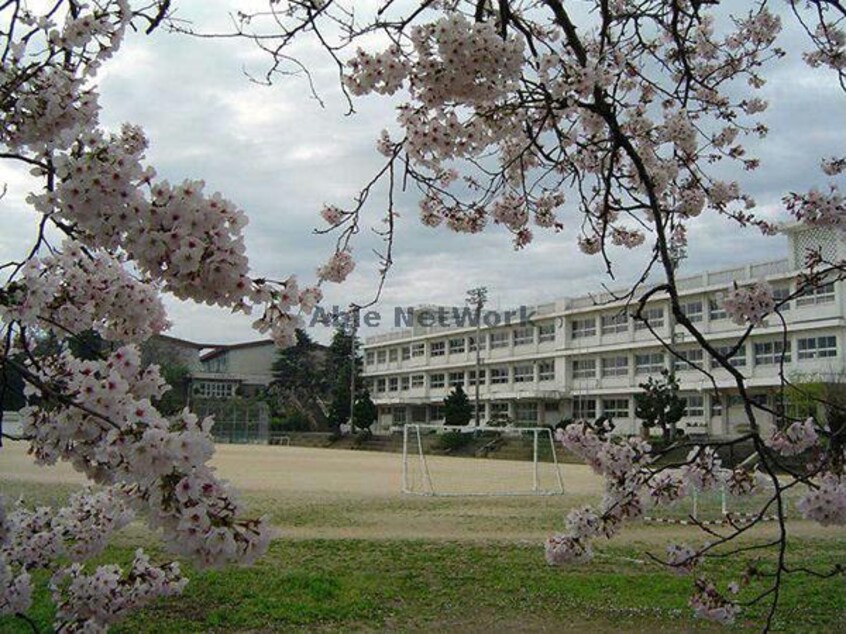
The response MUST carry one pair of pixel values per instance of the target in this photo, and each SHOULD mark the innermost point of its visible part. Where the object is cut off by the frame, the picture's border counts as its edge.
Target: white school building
(585, 356)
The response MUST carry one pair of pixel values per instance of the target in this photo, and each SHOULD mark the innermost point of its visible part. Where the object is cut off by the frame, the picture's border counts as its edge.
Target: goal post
(440, 460)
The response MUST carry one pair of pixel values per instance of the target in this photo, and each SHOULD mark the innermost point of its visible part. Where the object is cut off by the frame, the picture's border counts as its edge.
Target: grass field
(353, 554)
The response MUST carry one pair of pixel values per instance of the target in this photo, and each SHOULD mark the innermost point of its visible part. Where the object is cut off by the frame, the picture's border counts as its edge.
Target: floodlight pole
(353, 331)
(476, 297)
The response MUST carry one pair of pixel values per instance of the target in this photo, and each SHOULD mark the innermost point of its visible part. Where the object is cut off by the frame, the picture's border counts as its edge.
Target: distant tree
(176, 398)
(457, 408)
(298, 376)
(364, 411)
(337, 371)
(659, 404)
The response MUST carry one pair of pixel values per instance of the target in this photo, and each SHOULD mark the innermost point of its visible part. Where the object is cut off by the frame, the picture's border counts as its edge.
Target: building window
(380, 385)
(406, 353)
(524, 336)
(405, 383)
(471, 343)
(499, 339)
(546, 371)
(770, 352)
(650, 363)
(471, 377)
(694, 406)
(716, 406)
(456, 379)
(369, 358)
(716, 310)
(436, 413)
(584, 408)
(393, 384)
(499, 411)
(689, 356)
(418, 350)
(214, 389)
(614, 323)
(456, 346)
(584, 368)
(398, 416)
(655, 317)
(823, 294)
(692, 310)
(737, 361)
(498, 375)
(615, 407)
(780, 294)
(817, 347)
(437, 349)
(418, 380)
(437, 380)
(526, 413)
(524, 373)
(581, 328)
(546, 332)
(393, 355)
(615, 366)
(381, 356)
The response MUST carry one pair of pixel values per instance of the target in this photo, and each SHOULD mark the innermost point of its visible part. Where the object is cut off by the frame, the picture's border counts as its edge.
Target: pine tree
(457, 408)
(659, 404)
(298, 376)
(364, 411)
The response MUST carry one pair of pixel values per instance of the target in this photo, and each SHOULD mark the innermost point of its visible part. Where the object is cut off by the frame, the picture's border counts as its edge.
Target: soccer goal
(489, 461)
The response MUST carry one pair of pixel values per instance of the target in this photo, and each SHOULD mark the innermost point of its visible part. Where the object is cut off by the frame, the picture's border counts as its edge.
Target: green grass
(360, 585)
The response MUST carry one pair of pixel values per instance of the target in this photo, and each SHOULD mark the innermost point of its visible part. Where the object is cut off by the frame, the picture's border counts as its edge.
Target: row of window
(694, 310)
(520, 373)
(525, 412)
(764, 353)
(213, 389)
(621, 407)
(522, 336)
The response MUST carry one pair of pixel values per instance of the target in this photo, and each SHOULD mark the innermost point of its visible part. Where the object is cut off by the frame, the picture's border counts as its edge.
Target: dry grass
(342, 494)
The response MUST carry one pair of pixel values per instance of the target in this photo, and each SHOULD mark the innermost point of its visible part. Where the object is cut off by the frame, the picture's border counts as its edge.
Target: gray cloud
(280, 156)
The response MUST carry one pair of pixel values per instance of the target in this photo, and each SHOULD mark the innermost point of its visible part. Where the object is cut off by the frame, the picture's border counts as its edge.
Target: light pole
(353, 331)
(476, 298)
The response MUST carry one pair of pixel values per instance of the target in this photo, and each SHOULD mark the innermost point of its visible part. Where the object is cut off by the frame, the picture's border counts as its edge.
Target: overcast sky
(279, 155)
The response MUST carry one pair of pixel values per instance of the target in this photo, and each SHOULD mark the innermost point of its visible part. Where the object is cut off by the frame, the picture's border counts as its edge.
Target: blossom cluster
(107, 428)
(749, 304)
(825, 502)
(709, 604)
(797, 438)
(75, 290)
(91, 602)
(820, 209)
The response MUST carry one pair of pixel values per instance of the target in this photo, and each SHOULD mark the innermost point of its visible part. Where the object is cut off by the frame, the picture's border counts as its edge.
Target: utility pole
(353, 331)
(476, 297)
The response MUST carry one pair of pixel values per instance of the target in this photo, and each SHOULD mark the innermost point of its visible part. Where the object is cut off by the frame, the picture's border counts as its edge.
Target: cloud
(280, 155)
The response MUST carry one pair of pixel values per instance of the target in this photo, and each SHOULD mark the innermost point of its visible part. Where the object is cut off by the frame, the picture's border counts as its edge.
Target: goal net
(489, 461)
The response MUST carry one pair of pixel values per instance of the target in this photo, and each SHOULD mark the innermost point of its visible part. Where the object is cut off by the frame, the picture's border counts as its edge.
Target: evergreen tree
(299, 378)
(457, 408)
(364, 411)
(337, 371)
(659, 404)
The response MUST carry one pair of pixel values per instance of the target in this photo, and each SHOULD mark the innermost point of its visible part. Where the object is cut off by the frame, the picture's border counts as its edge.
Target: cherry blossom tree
(110, 237)
(619, 117)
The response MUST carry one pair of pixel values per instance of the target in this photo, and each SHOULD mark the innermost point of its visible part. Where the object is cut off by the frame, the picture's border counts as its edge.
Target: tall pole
(353, 332)
(476, 297)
